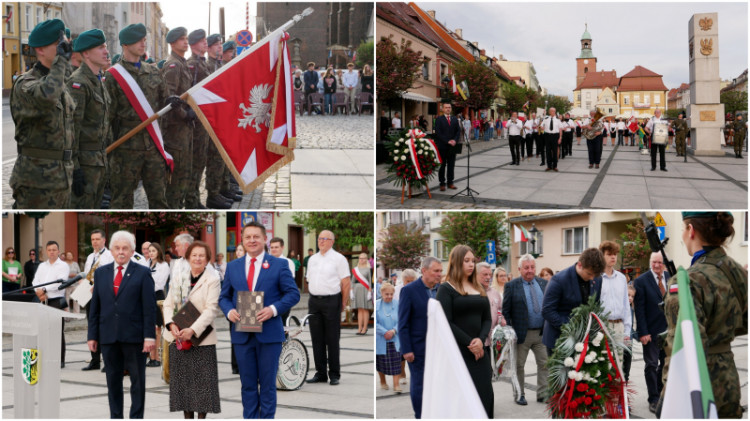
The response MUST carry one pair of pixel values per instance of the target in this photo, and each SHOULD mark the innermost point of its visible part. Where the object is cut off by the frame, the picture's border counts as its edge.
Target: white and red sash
(414, 135)
(358, 276)
(141, 106)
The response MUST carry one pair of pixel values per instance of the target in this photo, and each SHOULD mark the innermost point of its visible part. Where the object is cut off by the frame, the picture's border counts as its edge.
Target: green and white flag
(688, 390)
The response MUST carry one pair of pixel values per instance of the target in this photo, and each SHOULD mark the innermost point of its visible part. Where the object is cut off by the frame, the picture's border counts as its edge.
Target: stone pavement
(332, 169)
(624, 181)
(391, 405)
(84, 393)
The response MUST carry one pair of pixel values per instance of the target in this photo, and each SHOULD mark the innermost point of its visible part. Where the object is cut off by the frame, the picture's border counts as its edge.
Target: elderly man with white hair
(522, 309)
(121, 323)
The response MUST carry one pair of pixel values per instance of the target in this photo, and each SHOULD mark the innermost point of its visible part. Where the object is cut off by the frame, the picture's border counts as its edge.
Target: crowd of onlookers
(357, 85)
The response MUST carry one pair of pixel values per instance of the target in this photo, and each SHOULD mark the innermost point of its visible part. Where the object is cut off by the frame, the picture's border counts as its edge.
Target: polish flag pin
(265, 265)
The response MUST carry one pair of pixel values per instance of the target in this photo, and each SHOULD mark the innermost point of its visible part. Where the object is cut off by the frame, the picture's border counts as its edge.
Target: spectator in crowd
(29, 268)
(368, 83)
(388, 357)
(362, 289)
(193, 372)
(496, 300)
(329, 88)
(310, 79)
(160, 273)
(351, 80)
(546, 274)
(74, 271)
(12, 271)
(407, 276)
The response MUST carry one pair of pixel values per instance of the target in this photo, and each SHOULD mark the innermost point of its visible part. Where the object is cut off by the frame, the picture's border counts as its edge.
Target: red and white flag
(247, 109)
(454, 87)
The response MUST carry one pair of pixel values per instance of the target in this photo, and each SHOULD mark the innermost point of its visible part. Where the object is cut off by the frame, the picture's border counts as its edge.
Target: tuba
(596, 126)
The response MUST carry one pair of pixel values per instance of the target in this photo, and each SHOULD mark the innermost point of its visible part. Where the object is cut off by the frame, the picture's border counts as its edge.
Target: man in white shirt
(396, 121)
(568, 126)
(101, 256)
(329, 278)
(621, 127)
(530, 128)
(144, 252)
(515, 128)
(656, 119)
(552, 138)
(351, 80)
(52, 270)
(614, 296)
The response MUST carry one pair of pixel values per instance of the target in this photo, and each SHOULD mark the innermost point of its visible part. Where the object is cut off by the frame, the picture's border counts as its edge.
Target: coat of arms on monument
(706, 23)
(707, 46)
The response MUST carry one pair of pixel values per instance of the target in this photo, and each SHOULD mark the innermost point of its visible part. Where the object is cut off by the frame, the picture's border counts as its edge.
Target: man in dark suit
(522, 309)
(649, 295)
(569, 289)
(121, 321)
(447, 136)
(412, 325)
(258, 353)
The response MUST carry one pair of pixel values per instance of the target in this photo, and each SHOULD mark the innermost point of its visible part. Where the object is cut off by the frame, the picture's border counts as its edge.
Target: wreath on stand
(413, 160)
(585, 376)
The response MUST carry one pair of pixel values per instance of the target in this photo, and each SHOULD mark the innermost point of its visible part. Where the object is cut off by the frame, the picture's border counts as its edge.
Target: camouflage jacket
(178, 80)
(42, 108)
(214, 64)
(197, 68)
(718, 310)
(740, 128)
(680, 126)
(91, 117)
(123, 116)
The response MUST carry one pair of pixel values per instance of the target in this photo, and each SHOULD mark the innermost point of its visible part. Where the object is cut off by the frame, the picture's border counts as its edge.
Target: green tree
(674, 113)
(561, 104)
(398, 67)
(164, 223)
(351, 229)
(403, 246)
(365, 53)
(634, 247)
(482, 83)
(474, 229)
(516, 96)
(734, 101)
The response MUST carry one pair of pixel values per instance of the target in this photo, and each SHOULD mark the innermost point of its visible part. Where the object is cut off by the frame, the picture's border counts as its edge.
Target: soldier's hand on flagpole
(190, 116)
(175, 101)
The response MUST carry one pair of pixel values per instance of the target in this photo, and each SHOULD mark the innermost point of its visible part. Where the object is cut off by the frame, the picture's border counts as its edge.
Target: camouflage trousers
(680, 143)
(217, 173)
(96, 179)
(739, 142)
(128, 167)
(41, 183)
(200, 148)
(180, 180)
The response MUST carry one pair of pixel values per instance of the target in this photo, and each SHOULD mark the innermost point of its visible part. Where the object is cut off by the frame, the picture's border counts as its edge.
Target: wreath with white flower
(585, 380)
(413, 158)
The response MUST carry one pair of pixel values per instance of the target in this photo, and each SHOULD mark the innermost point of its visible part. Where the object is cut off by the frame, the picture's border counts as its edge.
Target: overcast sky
(194, 15)
(653, 35)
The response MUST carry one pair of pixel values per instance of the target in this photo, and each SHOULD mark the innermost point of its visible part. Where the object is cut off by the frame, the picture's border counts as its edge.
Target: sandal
(397, 390)
(384, 386)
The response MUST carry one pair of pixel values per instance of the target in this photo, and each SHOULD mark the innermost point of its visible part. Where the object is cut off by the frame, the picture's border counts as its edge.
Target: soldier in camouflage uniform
(138, 159)
(217, 173)
(91, 120)
(740, 131)
(719, 288)
(42, 110)
(178, 124)
(680, 131)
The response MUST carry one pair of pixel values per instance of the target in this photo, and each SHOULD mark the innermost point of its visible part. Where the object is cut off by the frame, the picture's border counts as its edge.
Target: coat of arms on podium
(30, 365)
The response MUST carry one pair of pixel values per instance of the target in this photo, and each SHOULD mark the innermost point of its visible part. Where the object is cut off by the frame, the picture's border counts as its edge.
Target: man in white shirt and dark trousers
(568, 126)
(614, 296)
(329, 278)
(656, 119)
(52, 270)
(99, 257)
(552, 138)
(351, 80)
(515, 128)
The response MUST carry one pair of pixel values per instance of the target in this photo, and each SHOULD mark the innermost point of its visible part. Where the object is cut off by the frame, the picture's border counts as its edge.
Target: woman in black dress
(467, 309)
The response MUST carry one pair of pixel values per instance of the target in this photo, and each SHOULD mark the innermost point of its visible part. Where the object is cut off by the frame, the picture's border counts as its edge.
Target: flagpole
(184, 96)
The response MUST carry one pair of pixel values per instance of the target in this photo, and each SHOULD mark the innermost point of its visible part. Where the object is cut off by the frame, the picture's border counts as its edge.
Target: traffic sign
(241, 49)
(662, 233)
(244, 38)
(659, 221)
(491, 252)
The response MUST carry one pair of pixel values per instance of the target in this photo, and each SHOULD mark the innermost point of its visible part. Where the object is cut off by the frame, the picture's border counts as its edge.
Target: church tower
(586, 62)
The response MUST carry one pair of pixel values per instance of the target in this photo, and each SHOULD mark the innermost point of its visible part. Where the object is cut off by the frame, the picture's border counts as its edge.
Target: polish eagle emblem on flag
(258, 112)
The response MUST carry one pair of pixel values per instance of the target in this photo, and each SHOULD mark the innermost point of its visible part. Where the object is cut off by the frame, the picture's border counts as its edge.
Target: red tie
(251, 274)
(449, 120)
(118, 279)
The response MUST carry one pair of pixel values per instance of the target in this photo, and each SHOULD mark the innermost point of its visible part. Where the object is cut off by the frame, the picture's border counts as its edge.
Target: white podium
(36, 330)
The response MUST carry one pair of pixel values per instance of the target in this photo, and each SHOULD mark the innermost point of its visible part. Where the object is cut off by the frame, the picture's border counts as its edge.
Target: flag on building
(520, 234)
(688, 391)
(526, 105)
(463, 89)
(454, 87)
(247, 109)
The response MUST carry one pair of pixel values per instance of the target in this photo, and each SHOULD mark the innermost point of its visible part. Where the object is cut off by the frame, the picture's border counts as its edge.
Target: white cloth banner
(446, 379)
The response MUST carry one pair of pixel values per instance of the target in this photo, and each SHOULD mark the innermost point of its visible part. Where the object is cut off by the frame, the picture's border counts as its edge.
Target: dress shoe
(442, 187)
(317, 379)
(62, 364)
(452, 187)
(596, 166)
(539, 399)
(664, 169)
(91, 366)
(547, 169)
(153, 363)
(522, 401)
(235, 371)
(653, 169)
(591, 166)
(652, 407)
(334, 382)
(103, 369)
(542, 164)
(554, 169)
(218, 202)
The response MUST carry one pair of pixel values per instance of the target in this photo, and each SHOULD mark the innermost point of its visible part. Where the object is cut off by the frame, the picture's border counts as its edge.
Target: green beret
(213, 39)
(67, 32)
(196, 36)
(46, 33)
(229, 45)
(160, 64)
(115, 59)
(175, 34)
(689, 215)
(89, 39)
(132, 34)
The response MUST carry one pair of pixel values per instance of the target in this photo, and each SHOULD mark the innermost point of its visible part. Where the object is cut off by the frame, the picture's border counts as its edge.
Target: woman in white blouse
(160, 273)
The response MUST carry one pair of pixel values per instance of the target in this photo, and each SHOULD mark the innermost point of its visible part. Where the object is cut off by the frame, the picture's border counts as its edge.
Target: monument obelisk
(706, 112)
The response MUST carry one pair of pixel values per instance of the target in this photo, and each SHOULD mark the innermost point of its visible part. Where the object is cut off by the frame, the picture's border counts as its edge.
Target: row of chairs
(340, 101)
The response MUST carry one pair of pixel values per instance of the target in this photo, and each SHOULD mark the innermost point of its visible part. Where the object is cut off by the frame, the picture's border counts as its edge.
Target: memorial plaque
(708, 115)
(249, 303)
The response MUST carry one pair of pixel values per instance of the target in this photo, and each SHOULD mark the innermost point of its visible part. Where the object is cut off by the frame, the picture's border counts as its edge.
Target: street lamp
(534, 232)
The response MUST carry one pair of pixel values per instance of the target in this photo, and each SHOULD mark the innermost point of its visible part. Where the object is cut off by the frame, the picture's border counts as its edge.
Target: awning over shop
(417, 97)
